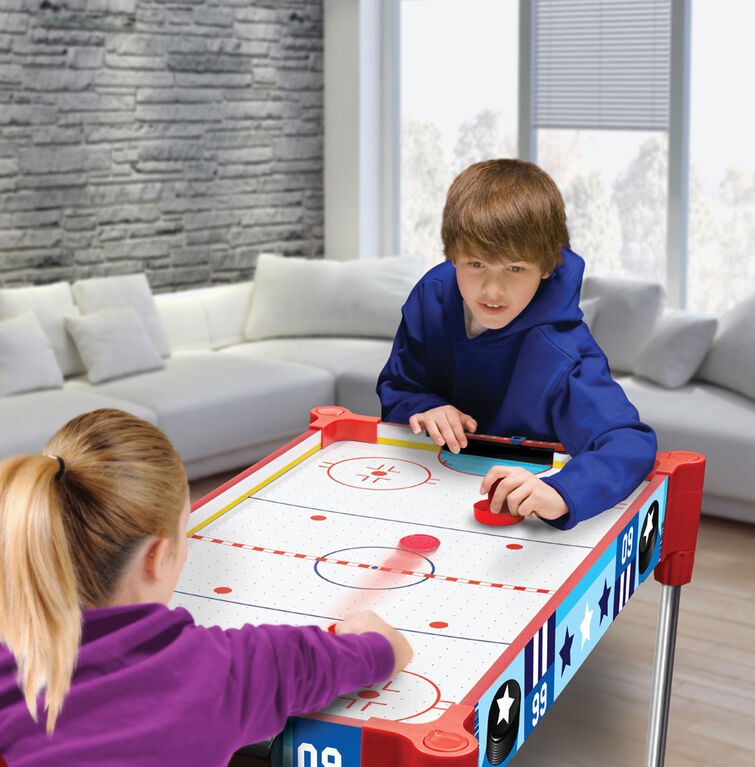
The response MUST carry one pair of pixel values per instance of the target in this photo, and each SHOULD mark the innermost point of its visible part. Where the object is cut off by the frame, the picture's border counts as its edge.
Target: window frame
(677, 213)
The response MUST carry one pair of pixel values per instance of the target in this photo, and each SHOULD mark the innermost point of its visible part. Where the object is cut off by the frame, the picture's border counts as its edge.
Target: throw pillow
(50, 304)
(589, 307)
(99, 293)
(301, 297)
(625, 318)
(731, 360)
(678, 345)
(113, 343)
(226, 308)
(183, 318)
(27, 359)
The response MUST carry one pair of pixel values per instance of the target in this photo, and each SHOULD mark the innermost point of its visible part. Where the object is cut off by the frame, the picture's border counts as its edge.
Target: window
(614, 185)
(459, 104)
(722, 156)
(459, 61)
(600, 115)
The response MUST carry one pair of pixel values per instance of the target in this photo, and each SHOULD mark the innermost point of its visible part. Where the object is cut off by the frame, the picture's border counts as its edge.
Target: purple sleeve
(278, 671)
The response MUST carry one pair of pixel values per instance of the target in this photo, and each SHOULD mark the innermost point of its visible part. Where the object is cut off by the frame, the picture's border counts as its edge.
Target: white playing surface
(350, 503)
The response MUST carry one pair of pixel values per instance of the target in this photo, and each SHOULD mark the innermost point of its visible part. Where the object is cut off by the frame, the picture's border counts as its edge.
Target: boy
(493, 340)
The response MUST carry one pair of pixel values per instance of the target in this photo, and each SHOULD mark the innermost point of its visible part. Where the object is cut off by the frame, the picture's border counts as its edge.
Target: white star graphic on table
(504, 705)
(584, 627)
(648, 526)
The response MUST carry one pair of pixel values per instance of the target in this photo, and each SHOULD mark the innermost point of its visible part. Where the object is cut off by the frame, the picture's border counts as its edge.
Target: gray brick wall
(176, 137)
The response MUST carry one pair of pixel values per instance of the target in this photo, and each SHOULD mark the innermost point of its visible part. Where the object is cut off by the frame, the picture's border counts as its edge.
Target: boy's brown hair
(505, 210)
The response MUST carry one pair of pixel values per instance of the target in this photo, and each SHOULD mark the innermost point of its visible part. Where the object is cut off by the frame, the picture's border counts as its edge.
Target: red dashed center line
(334, 561)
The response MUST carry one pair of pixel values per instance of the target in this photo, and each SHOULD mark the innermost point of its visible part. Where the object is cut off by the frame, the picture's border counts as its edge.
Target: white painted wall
(360, 128)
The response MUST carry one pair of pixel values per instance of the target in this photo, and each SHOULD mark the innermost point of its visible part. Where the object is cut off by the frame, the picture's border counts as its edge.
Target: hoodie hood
(556, 301)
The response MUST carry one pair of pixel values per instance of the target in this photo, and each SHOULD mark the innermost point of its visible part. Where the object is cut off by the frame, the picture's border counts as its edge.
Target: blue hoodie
(541, 376)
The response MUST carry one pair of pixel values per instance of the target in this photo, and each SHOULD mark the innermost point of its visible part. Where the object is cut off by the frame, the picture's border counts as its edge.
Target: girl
(92, 543)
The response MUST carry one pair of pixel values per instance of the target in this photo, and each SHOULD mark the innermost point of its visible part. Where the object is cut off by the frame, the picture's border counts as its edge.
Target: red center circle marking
(376, 473)
(438, 625)
(222, 590)
(318, 517)
(368, 693)
(514, 546)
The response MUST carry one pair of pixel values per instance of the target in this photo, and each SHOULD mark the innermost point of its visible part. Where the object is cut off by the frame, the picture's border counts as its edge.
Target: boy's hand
(445, 425)
(524, 493)
(366, 620)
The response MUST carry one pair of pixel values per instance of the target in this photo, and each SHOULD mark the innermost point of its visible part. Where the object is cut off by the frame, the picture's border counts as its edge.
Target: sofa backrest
(205, 318)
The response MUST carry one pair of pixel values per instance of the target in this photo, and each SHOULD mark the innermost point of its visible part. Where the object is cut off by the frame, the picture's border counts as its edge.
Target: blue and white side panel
(316, 743)
(513, 706)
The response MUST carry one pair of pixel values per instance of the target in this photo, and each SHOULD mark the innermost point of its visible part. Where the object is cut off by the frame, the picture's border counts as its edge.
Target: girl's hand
(366, 620)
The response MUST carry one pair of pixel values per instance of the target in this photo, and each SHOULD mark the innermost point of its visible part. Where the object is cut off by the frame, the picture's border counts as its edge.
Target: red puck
(419, 543)
(482, 513)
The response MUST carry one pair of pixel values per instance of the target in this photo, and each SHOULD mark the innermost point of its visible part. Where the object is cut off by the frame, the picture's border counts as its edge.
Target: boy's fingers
(433, 431)
(527, 508)
(506, 486)
(449, 435)
(415, 423)
(516, 498)
(496, 473)
(469, 423)
(455, 422)
(496, 502)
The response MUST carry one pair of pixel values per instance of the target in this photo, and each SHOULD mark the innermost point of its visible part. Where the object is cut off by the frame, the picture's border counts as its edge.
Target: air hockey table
(500, 618)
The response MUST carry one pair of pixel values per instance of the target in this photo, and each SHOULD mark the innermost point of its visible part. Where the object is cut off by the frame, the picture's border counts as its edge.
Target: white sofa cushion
(705, 419)
(113, 343)
(27, 360)
(355, 362)
(356, 385)
(50, 304)
(210, 403)
(333, 354)
(98, 293)
(226, 308)
(29, 420)
(731, 360)
(302, 297)
(678, 345)
(625, 318)
(589, 307)
(184, 319)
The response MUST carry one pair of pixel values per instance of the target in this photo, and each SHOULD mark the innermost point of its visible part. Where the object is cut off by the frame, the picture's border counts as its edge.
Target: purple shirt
(153, 688)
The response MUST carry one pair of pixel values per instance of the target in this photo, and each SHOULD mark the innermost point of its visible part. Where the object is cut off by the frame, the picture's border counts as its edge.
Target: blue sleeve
(279, 671)
(613, 451)
(404, 385)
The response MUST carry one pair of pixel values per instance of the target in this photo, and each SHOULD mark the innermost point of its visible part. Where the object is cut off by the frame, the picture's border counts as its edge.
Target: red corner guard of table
(337, 423)
(448, 738)
(684, 499)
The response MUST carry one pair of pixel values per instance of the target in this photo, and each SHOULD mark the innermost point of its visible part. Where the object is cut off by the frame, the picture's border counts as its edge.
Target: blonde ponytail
(40, 618)
(66, 533)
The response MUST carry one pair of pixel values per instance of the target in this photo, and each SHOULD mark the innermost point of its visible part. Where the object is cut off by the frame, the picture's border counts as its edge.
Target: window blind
(601, 64)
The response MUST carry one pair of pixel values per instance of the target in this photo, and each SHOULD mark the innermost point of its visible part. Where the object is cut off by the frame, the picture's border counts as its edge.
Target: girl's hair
(67, 530)
(505, 210)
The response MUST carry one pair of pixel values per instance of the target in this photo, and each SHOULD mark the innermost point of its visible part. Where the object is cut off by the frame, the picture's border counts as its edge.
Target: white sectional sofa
(241, 365)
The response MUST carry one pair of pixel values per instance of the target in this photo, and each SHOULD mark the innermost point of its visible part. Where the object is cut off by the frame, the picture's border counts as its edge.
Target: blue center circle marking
(466, 463)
